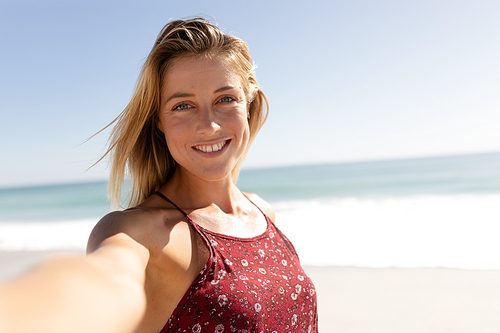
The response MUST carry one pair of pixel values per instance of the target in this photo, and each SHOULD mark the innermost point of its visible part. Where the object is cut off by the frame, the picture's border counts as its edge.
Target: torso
(179, 252)
(248, 285)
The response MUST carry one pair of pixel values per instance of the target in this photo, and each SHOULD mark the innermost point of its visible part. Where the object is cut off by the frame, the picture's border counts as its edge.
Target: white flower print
(284, 262)
(312, 291)
(300, 277)
(222, 300)
(262, 270)
(196, 328)
(262, 253)
(258, 307)
(228, 262)
(243, 277)
(294, 320)
(214, 243)
(294, 296)
(219, 328)
(244, 262)
(271, 235)
(298, 288)
(221, 274)
(281, 290)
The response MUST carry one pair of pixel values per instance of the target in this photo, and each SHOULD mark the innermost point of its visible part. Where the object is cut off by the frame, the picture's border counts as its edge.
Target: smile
(211, 148)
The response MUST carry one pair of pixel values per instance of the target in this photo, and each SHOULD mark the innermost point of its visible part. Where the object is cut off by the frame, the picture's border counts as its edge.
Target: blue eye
(181, 107)
(226, 99)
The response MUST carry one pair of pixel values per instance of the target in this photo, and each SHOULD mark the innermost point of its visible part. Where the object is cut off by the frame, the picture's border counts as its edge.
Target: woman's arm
(101, 292)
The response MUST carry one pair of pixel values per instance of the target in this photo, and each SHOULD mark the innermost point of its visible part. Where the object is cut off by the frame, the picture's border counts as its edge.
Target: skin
(60, 294)
(202, 104)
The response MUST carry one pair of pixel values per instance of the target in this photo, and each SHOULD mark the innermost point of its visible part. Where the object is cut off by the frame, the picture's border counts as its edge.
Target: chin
(212, 174)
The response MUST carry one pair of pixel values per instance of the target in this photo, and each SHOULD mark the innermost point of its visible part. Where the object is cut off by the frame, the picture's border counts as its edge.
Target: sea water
(427, 212)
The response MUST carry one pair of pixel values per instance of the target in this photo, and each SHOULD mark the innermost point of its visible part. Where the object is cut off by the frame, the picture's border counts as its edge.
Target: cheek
(245, 128)
(240, 124)
(174, 136)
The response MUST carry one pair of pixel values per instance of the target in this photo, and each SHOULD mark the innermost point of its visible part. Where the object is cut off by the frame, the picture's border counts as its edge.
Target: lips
(211, 148)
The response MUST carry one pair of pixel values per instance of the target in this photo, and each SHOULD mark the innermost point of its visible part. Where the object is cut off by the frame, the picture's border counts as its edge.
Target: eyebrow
(223, 89)
(182, 95)
(178, 95)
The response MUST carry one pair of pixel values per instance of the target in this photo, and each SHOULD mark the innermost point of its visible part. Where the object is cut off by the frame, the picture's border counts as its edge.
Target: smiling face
(203, 115)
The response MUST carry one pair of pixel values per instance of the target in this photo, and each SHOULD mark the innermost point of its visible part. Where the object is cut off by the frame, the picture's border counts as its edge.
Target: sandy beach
(430, 300)
(369, 300)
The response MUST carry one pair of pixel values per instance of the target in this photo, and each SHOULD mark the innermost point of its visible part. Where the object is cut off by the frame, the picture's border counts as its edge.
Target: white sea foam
(421, 231)
(416, 231)
(36, 236)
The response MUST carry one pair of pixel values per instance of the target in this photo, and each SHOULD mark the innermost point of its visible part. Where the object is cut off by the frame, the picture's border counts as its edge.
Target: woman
(216, 261)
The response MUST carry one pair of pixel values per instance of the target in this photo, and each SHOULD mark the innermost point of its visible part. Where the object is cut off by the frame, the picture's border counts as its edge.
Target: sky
(346, 80)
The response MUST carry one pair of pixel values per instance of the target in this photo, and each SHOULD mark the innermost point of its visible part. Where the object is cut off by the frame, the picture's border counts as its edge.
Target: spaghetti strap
(196, 227)
(256, 206)
(161, 195)
(285, 239)
(200, 229)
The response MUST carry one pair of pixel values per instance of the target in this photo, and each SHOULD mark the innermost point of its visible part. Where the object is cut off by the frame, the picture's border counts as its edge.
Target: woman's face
(203, 115)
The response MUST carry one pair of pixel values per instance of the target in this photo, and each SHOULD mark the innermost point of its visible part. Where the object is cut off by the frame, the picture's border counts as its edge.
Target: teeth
(212, 148)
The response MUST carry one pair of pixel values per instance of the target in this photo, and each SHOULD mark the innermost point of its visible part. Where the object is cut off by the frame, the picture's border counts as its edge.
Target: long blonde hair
(136, 147)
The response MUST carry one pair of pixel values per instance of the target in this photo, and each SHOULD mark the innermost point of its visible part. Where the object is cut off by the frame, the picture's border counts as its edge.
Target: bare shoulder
(262, 204)
(144, 224)
(161, 229)
(112, 224)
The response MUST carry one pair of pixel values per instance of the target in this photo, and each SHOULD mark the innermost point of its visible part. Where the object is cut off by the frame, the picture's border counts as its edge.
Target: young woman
(217, 262)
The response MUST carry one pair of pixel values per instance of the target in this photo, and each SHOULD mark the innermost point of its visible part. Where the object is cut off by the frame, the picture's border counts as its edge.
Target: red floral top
(248, 285)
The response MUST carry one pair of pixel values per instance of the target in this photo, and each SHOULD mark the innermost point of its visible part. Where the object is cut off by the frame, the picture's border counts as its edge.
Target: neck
(191, 192)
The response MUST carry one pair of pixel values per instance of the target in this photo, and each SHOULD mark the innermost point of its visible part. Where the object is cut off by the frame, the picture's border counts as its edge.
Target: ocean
(424, 212)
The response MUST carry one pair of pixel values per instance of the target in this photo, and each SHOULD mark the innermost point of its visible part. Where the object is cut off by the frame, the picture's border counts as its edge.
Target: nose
(207, 122)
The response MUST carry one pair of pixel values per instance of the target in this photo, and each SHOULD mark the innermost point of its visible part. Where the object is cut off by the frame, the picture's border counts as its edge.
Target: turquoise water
(428, 212)
(54, 202)
(453, 175)
(450, 175)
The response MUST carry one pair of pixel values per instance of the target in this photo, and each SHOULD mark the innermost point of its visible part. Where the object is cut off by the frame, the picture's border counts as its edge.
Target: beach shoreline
(362, 300)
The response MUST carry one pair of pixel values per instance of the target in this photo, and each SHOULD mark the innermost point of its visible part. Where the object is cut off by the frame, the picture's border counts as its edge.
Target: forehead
(193, 70)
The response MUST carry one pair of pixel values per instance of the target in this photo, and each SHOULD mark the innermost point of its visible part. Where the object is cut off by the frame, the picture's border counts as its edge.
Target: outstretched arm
(101, 292)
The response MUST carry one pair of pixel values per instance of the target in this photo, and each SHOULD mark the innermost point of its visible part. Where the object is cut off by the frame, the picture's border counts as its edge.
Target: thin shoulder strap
(285, 239)
(196, 227)
(161, 195)
(256, 206)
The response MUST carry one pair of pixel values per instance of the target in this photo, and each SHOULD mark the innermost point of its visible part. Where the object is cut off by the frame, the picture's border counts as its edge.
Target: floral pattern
(248, 285)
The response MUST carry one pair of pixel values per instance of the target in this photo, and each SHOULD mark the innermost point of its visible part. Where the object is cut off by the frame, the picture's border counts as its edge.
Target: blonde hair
(136, 147)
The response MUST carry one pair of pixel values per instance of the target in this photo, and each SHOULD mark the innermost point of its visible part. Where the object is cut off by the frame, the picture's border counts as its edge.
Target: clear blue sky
(347, 80)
